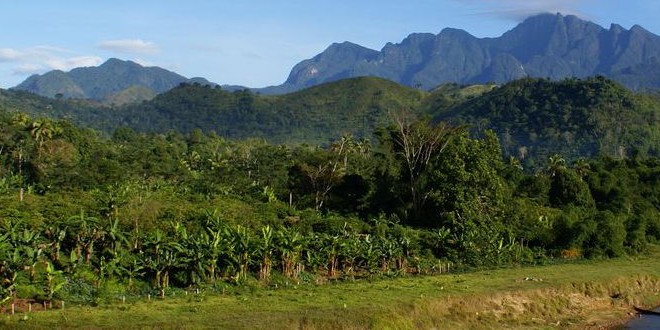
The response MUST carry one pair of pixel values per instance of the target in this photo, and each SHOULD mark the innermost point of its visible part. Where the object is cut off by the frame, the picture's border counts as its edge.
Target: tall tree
(417, 142)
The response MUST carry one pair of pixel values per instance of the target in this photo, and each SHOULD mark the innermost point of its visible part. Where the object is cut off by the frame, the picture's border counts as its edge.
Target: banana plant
(87, 232)
(330, 248)
(243, 247)
(56, 234)
(370, 253)
(290, 243)
(28, 243)
(54, 281)
(20, 250)
(114, 239)
(10, 264)
(265, 250)
(129, 265)
(223, 260)
(160, 257)
(197, 256)
(349, 250)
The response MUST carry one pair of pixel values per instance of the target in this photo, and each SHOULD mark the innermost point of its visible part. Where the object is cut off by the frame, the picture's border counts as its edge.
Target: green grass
(566, 295)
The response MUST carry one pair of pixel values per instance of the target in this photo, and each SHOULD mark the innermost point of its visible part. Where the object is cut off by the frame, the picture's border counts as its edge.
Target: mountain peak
(115, 62)
(457, 33)
(347, 46)
(638, 29)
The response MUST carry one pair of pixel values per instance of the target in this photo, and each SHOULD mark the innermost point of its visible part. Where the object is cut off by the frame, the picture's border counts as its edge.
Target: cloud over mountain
(9, 54)
(130, 46)
(39, 59)
(518, 10)
(74, 62)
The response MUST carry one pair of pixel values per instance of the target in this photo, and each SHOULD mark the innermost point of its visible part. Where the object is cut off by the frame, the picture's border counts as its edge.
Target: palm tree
(582, 167)
(556, 164)
(43, 130)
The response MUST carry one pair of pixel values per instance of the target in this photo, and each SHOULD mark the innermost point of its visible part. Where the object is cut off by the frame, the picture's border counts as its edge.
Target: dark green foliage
(316, 115)
(568, 189)
(466, 180)
(535, 118)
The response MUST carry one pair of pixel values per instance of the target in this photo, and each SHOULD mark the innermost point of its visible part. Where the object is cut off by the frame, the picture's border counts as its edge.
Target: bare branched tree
(418, 141)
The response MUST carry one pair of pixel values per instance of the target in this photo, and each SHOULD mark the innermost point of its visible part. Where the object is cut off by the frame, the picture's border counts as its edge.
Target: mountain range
(544, 46)
(547, 46)
(115, 81)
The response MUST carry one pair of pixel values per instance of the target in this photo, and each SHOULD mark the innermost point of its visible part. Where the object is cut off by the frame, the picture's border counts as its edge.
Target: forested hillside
(316, 115)
(535, 118)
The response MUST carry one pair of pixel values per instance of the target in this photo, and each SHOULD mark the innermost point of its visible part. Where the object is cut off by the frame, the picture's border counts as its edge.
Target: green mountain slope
(133, 94)
(535, 118)
(315, 115)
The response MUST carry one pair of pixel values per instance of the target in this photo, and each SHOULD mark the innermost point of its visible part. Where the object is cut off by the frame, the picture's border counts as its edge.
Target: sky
(255, 43)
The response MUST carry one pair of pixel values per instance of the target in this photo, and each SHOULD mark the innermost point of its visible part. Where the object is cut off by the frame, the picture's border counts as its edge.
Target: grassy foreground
(580, 295)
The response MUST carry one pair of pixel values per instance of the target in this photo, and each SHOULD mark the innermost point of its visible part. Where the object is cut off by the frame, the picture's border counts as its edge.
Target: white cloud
(28, 69)
(9, 55)
(131, 46)
(39, 59)
(143, 62)
(520, 9)
(73, 62)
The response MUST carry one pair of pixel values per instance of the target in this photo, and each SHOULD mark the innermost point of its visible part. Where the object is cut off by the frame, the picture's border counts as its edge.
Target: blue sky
(254, 43)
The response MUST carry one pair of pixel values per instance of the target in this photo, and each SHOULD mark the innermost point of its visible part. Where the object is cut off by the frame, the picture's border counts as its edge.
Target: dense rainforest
(88, 216)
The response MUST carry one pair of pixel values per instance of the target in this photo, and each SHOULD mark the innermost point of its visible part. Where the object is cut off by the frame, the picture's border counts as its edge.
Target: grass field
(578, 295)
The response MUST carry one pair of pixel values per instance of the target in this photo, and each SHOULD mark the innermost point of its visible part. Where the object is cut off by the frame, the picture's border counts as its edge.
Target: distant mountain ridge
(105, 81)
(544, 46)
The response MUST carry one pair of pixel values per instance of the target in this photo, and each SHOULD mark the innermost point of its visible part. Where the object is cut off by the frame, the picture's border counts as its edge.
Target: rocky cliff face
(553, 46)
